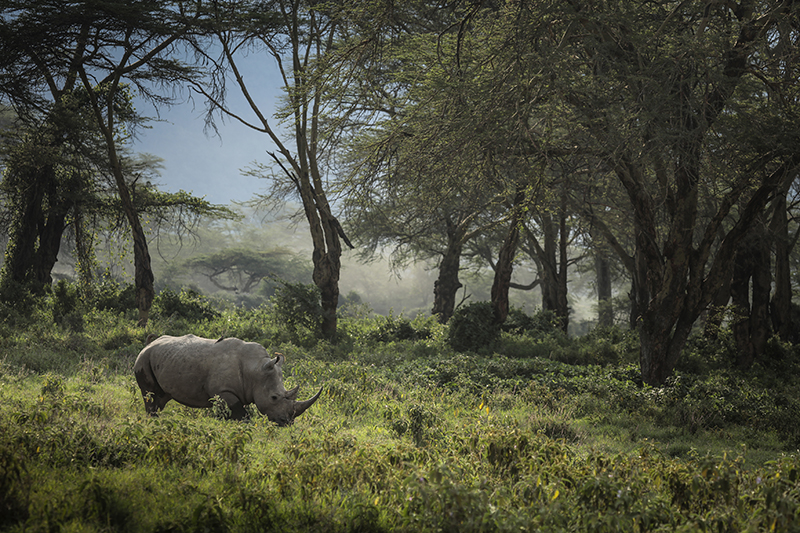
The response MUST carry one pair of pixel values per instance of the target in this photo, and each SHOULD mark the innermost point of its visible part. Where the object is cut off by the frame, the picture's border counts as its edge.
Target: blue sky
(206, 165)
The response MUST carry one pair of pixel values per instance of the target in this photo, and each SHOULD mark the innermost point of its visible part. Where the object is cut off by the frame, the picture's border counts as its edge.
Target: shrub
(391, 328)
(473, 327)
(65, 301)
(19, 305)
(541, 323)
(299, 306)
(14, 485)
(188, 304)
(108, 295)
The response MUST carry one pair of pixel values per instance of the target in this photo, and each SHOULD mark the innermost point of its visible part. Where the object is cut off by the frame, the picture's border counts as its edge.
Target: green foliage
(391, 328)
(299, 307)
(110, 295)
(473, 327)
(14, 485)
(408, 435)
(19, 304)
(542, 323)
(188, 304)
(66, 305)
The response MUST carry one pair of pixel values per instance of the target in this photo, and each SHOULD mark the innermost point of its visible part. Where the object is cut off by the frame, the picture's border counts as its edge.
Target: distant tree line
(655, 141)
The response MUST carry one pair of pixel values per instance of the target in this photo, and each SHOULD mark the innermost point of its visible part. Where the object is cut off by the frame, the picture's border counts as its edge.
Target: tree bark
(505, 262)
(781, 304)
(446, 286)
(553, 257)
(143, 272)
(23, 235)
(750, 326)
(35, 235)
(715, 314)
(605, 308)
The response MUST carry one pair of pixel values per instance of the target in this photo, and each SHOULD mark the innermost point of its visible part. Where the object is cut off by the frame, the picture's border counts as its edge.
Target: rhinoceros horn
(300, 407)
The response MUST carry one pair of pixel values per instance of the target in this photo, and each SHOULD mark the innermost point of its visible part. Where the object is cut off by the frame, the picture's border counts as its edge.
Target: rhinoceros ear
(269, 364)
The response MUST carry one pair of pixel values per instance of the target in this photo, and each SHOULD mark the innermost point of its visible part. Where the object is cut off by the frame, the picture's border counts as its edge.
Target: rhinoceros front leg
(236, 406)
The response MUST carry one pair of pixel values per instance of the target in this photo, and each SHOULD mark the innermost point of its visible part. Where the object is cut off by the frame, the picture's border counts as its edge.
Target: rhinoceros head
(273, 400)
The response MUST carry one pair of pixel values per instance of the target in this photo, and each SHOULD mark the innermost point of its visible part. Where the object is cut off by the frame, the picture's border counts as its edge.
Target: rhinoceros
(192, 370)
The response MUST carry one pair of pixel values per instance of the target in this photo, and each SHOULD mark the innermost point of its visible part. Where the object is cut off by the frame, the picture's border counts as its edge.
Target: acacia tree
(440, 148)
(242, 269)
(48, 168)
(45, 179)
(418, 220)
(300, 38)
(53, 49)
(134, 47)
(669, 76)
(652, 94)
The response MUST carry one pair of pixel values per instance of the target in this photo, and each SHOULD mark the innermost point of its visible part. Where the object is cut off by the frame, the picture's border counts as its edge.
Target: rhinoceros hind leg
(153, 395)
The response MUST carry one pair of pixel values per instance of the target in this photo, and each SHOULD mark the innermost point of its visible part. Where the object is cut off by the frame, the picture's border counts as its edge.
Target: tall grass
(534, 432)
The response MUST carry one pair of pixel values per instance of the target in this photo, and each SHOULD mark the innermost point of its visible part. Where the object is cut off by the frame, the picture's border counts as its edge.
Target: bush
(473, 327)
(109, 295)
(299, 306)
(542, 323)
(20, 306)
(188, 304)
(391, 328)
(67, 311)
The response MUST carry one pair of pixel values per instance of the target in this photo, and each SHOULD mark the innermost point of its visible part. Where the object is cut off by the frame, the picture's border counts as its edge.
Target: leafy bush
(14, 485)
(188, 304)
(109, 295)
(65, 301)
(391, 328)
(543, 322)
(299, 306)
(19, 305)
(473, 327)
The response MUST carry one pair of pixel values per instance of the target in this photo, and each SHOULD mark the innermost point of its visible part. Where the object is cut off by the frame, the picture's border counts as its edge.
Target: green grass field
(534, 432)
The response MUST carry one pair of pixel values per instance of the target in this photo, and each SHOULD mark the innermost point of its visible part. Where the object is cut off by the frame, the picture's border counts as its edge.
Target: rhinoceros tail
(150, 338)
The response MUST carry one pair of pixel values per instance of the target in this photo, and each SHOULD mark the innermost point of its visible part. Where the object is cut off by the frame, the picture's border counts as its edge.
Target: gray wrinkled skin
(191, 370)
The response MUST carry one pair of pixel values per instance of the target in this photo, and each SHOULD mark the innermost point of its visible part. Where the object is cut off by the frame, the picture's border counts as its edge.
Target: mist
(375, 284)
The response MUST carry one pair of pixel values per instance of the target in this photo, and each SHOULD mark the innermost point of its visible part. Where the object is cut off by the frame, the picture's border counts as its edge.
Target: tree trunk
(715, 313)
(143, 272)
(750, 327)
(35, 237)
(60, 200)
(781, 305)
(84, 255)
(553, 257)
(446, 286)
(327, 267)
(562, 312)
(605, 309)
(46, 255)
(659, 346)
(23, 234)
(762, 285)
(505, 262)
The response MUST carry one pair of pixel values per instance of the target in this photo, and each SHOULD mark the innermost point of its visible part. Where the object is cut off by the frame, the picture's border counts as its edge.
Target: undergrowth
(533, 431)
